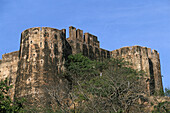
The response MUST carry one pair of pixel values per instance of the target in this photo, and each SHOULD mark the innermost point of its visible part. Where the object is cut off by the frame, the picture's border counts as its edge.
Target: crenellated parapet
(77, 35)
(87, 44)
(143, 58)
(91, 40)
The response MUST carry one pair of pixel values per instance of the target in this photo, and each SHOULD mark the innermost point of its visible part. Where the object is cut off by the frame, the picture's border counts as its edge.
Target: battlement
(86, 38)
(91, 39)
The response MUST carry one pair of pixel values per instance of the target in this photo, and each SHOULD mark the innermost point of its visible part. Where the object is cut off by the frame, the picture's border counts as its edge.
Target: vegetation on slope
(92, 87)
(108, 86)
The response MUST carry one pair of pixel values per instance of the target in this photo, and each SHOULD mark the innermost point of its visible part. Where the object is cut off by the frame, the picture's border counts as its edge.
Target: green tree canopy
(6, 104)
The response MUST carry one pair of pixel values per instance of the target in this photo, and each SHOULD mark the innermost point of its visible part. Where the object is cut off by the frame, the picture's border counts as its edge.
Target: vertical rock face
(42, 56)
(8, 69)
(143, 58)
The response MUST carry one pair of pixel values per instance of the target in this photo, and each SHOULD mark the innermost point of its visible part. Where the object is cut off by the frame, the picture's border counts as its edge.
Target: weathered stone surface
(42, 55)
(43, 52)
(86, 44)
(143, 58)
(8, 69)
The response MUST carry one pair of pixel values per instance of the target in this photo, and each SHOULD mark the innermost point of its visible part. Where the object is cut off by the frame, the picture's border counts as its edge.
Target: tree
(109, 86)
(65, 93)
(80, 67)
(6, 104)
(118, 89)
(167, 92)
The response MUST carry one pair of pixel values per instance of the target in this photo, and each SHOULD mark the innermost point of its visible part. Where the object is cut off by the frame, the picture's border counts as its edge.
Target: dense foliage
(6, 104)
(87, 86)
(108, 86)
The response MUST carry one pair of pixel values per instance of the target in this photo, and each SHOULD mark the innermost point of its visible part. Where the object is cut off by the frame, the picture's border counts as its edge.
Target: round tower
(143, 58)
(42, 57)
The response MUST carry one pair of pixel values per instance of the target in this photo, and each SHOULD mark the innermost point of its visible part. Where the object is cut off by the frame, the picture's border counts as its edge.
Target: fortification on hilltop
(43, 52)
(143, 58)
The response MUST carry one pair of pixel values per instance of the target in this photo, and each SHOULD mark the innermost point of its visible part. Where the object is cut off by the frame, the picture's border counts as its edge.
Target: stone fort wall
(43, 52)
(8, 69)
(143, 58)
(87, 44)
(42, 56)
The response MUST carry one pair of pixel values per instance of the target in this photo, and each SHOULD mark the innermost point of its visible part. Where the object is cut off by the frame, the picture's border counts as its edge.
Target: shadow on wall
(152, 79)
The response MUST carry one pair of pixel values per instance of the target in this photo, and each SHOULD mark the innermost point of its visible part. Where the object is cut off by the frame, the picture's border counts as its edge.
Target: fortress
(43, 52)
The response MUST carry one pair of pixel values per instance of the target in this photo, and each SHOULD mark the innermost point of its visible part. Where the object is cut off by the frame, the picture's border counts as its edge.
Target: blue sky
(117, 23)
